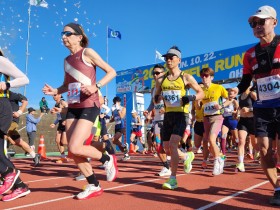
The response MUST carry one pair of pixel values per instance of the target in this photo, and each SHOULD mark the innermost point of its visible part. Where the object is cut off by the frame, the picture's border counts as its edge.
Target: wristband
(19, 112)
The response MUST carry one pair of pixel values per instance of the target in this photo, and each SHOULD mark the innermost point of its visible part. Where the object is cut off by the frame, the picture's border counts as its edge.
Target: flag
(159, 56)
(114, 34)
(38, 3)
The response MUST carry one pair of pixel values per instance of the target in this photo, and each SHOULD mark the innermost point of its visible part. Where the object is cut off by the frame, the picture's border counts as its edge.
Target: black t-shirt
(15, 99)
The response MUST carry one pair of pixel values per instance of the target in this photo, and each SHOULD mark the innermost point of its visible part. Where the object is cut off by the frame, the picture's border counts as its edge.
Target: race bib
(172, 98)
(209, 108)
(74, 92)
(269, 87)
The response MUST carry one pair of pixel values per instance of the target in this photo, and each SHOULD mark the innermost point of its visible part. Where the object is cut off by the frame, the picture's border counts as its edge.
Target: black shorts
(121, 130)
(6, 115)
(246, 124)
(89, 113)
(60, 126)
(173, 123)
(267, 122)
(198, 128)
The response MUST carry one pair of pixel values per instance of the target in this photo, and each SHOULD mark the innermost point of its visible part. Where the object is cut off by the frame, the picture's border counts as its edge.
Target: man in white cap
(262, 64)
(173, 87)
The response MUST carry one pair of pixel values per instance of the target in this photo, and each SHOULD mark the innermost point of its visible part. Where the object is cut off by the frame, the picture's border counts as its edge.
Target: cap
(264, 12)
(172, 52)
(133, 111)
(30, 109)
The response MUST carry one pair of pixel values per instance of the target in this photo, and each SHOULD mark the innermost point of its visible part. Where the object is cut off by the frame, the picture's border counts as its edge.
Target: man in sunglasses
(173, 86)
(262, 63)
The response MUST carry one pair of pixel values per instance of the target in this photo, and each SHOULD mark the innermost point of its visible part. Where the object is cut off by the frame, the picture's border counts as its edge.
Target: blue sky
(195, 26)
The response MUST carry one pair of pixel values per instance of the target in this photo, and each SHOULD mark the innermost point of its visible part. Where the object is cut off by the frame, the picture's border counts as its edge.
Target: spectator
(44, 106)
(31, 126)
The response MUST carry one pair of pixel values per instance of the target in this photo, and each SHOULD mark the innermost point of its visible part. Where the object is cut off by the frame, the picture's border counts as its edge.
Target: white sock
(32, 154)
(241, 159)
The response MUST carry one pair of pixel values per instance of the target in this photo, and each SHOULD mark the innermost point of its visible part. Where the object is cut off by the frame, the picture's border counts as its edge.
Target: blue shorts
(230, 123)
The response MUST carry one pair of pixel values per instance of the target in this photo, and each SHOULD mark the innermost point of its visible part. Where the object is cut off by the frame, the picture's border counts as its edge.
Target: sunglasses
(68, 33)
(156, 73)
(168, 58)
(260, 22)
(204, 75)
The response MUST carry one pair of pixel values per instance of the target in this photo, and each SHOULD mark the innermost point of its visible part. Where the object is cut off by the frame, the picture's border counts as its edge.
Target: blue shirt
(31, 123)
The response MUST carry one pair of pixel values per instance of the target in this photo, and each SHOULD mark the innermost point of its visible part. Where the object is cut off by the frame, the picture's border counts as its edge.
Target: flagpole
(27, 45)
(107, 55)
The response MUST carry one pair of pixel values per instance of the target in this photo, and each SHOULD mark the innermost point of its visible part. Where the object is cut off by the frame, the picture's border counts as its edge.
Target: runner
(83, 105)
(213, 118)
(7, 169)
(118, 115)
(261, 62)
(173, 85)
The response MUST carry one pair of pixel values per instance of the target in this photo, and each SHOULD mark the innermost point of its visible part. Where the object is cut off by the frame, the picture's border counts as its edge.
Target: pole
(107, 53)
(27, 45)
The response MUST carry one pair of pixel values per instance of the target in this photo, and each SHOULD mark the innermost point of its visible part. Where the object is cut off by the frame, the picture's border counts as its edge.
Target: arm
(9, 69)
(122, 113)
(107, 109)
(32, 119)
(189, 80)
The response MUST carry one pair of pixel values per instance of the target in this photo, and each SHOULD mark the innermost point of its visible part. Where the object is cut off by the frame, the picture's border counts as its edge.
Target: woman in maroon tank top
(80, 83)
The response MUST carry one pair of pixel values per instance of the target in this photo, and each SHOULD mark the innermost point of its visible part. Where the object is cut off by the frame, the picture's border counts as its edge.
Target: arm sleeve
(244, 83)
(107, 109)
(33, 119)
(9, 69)
(151, 105)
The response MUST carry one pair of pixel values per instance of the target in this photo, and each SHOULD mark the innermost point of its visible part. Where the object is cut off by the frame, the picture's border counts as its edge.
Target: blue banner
(227, 64)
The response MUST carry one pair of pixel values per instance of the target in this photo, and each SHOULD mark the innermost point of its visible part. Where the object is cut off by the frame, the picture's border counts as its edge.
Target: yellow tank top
(212, 97)
(172, 91)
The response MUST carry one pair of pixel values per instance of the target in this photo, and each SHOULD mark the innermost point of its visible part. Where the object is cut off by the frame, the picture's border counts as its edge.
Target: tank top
(77, 71)
(119, 122)
(173, 91)
(157, 106)
(135, 128)
(247, 102)
(4, 93)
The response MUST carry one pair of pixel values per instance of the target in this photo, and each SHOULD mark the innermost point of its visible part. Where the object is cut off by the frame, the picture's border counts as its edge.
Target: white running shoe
(218, 166)
(111, 168)
(164, 172)
(90, 191)
(126, 157)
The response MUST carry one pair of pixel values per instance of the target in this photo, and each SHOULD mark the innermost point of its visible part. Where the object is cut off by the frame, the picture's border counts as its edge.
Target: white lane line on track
(231, 196)
(67, 197)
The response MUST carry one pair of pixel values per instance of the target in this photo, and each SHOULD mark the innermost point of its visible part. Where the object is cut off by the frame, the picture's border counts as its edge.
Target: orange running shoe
(62, 160)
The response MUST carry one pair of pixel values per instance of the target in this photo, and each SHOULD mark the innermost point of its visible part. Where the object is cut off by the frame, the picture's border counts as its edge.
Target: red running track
(53, 187)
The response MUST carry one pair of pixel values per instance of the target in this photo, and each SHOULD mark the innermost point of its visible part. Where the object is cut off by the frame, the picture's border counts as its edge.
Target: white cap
(264, 12)
(133, 111)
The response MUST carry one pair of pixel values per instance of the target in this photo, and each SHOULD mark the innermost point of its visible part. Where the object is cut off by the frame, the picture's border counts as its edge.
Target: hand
(187, 99)
(3, 86)
(52, 125)
(118, 106)
(16, 115)
(48, 90)
(55, 110)
(113, 108)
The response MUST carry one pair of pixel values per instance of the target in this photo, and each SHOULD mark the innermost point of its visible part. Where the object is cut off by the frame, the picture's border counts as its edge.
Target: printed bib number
(74, 92)
(172, 98)
(209, 108)
(269, 87)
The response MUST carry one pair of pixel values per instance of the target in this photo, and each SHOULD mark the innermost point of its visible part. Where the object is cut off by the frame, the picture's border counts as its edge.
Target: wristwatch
(98, 85)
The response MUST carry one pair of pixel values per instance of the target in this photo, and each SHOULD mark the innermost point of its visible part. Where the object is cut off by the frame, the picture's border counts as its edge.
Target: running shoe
(164, 172)
(218, 166)
(204, 164)
(9, 181)
(199, 150)
(80, 177)
(62, 160)
(111, 168)
(36, 160)
(17, 193)
(170, 184)
(250, 156)
(240, 167)
(126, 157)
(89, 192)
(257, 156)
(275, 200)
(188, 162)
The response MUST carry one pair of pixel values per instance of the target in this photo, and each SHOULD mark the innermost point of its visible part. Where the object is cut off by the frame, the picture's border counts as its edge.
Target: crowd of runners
(218, 119)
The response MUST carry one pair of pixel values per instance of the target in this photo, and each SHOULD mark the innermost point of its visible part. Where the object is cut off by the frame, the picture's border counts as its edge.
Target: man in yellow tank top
(173, 86)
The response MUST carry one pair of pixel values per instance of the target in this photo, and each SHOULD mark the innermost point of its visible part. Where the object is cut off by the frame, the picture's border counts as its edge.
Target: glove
(187, 99)
(113, 108)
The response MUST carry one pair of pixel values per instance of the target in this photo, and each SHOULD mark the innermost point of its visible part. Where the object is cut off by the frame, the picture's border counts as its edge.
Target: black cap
(30, 109)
